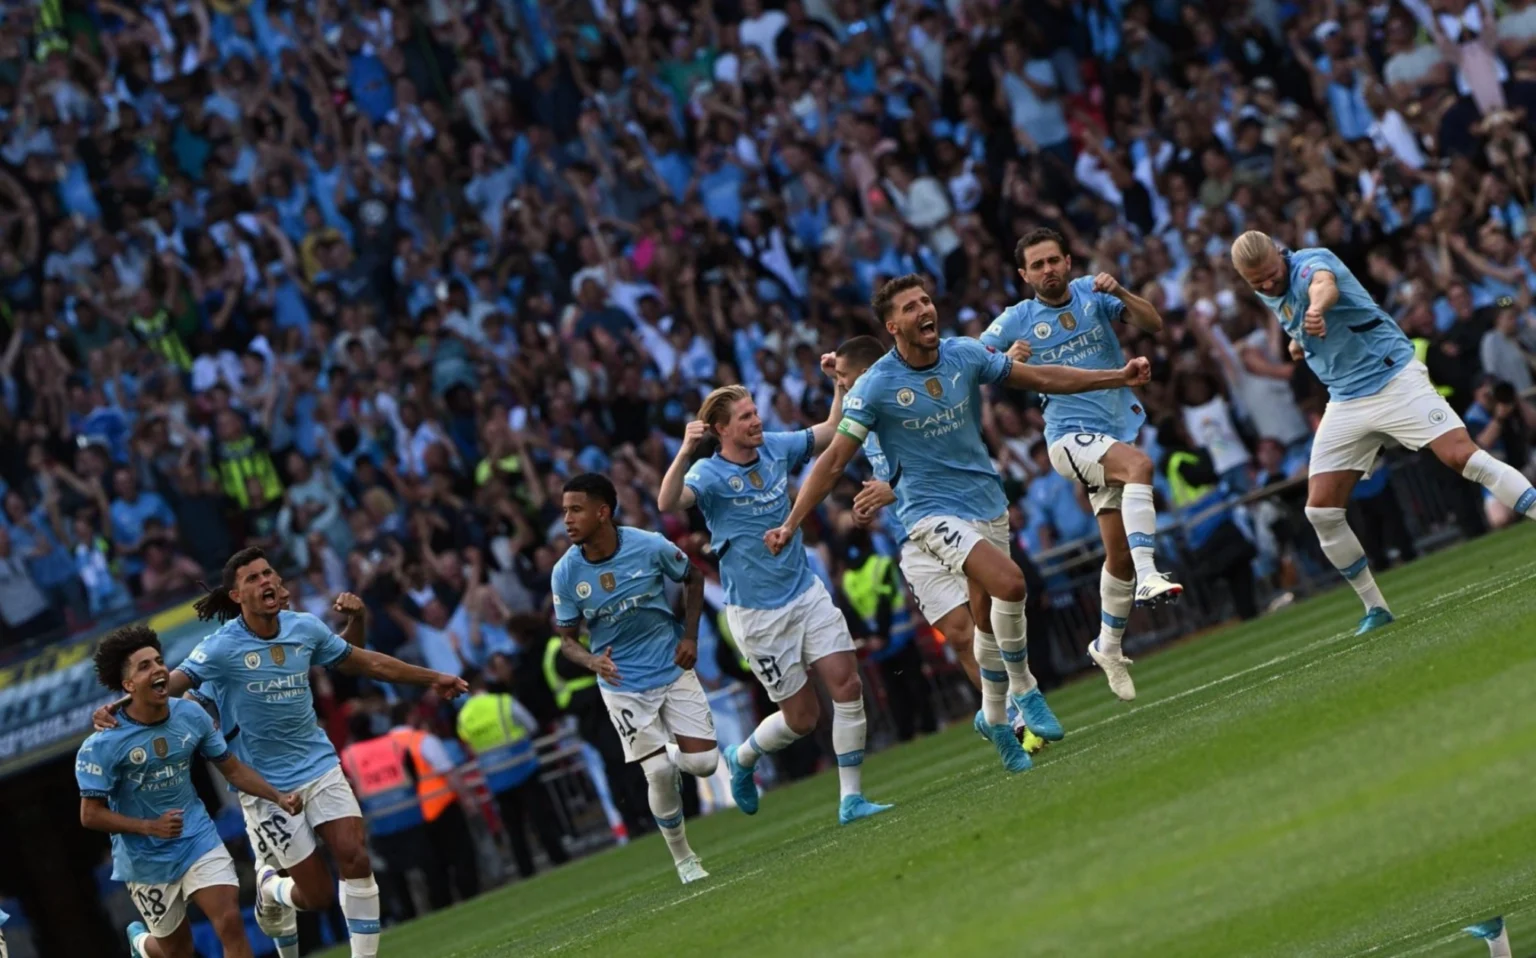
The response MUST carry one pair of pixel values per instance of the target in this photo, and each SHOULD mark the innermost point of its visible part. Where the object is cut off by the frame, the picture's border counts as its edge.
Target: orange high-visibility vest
(432, 787)
(384, 790)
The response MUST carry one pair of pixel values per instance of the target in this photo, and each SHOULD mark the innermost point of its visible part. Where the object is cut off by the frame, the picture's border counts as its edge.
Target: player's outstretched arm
(673, 494)
(95, 815)
(249, 781)
(1138, 311)
(1063, 380)
(387, 668)
(817, 485)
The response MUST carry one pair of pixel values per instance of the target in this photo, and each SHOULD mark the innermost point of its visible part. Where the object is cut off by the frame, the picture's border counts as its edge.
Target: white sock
(1115, 599)
(697, 764)
(994, 680)
(1345, 552)
(1008, 631)
(138, 945)
(1140, 520)
(360, 907)
(1504, 481)
(667, 805)
(848, 744)
(1499, 947)
(771, 735)
(286, 935)
(280, 891)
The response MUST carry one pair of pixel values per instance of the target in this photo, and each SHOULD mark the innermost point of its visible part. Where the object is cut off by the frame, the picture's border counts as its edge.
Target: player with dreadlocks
(260, 658)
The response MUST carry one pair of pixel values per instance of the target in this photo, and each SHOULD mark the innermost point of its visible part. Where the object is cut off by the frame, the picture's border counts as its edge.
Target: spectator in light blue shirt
(1034, 104)
(131, 511)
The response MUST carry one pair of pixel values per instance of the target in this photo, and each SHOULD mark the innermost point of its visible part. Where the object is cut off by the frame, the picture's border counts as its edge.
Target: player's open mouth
(159, 685)
(269, 595)
(928, 326)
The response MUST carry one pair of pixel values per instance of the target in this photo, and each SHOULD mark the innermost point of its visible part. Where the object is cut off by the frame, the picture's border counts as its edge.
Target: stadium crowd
(364, 282)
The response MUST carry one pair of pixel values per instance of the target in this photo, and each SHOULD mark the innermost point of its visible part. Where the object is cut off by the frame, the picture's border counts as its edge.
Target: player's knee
(1138, 468)
(1010, 585)
(847, 688)
(1326, 518)
(230, 927)
(960, 634)
(700, 764)
(802, 715)
(352, 861)
(658, 769)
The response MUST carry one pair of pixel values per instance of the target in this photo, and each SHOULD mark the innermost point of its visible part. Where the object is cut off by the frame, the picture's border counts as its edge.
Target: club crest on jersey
(736, 484)
(1068, 322)
(162, 748)
(583, 590)
(934, 387)
(1042, 330)
(278, 655)
(905, 397)
(607, 581)
(755, 479)
(138, 756)
(252, 660)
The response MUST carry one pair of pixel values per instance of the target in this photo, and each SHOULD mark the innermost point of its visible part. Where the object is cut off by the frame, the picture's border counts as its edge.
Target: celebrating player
(277, 922)
(611, 581)
(260, 659)
(779, 613)
(1090, 436)
(136, 784)
(944, 597)
(1377, 391)
(921, 400)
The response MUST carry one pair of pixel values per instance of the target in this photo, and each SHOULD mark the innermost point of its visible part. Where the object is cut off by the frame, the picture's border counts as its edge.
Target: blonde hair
(716, 408)
(1251, 249)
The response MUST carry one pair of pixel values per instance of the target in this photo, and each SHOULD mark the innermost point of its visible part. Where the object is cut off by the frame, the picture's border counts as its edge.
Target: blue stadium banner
(46, 699)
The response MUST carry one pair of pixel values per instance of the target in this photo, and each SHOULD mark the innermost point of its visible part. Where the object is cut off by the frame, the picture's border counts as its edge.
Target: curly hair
(117, 648)
(217, 605)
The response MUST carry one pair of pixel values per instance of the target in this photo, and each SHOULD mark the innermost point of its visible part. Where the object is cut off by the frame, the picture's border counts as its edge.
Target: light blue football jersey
(929, 424)
(1364, 348)
(263, 689)
(1079, 333)
(740, 504)
(222, 713)
(144, 771)
(623, 602)
(883, 471)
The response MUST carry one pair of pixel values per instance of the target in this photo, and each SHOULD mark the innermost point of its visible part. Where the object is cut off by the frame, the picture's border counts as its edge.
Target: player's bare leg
(1327, 502)
(959, 631)
(1126, 466)
(1504, 482)
(221, 903)
(696, 756)
(1117, 594)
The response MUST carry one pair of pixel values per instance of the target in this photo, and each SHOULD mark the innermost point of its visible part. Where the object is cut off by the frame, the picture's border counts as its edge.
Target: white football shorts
(780, 643)
(164, 907)
(938, 591)
(1079, 456)
(1407, 411)
(950, 540)
(647, 721)
(282, 840)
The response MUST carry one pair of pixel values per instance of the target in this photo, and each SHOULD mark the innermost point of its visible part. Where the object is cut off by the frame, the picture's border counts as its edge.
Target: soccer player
(779, 613)
(260, 660)
(944, 597)
(275, 921)
(922, 400)
(1377, 391)
(136, 784)
(611, 584)
(1091, 436)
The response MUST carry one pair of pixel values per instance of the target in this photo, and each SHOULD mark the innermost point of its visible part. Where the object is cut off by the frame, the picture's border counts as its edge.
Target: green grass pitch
(1278, 789)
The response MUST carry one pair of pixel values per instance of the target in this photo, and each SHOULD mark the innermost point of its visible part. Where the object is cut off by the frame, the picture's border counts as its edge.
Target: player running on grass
(260, 659)
(779, 613)
(267, 833)
(1378, 392)
(611, 584)
(1091, 435)
(945, 598)
(136, 784)
(922, 400)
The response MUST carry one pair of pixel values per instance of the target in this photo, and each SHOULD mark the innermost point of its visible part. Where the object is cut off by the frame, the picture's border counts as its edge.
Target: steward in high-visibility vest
(488, 723)
(384, 789)
(561, 687)
(873, 588)
(723, 626)
(243, 458)
(1421, 353)
(1192, 497)
(433, 790)
(156, 332)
